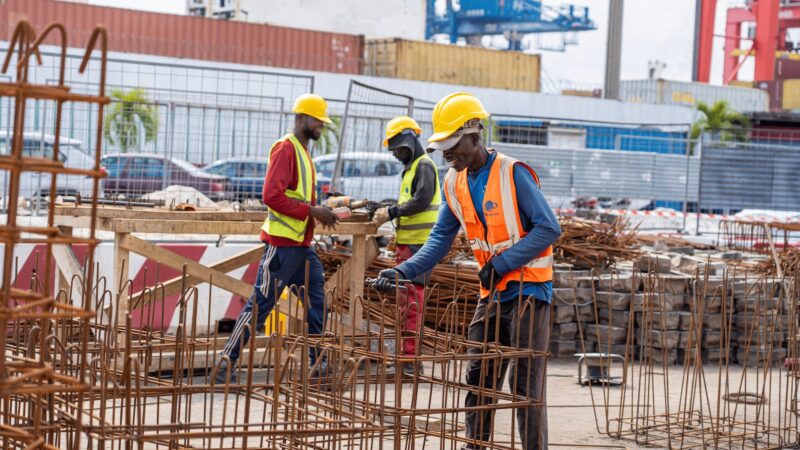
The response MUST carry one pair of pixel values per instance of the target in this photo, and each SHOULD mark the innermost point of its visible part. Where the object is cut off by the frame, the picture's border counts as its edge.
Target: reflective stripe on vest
(416, 228)
(503, 224)
(281, 225)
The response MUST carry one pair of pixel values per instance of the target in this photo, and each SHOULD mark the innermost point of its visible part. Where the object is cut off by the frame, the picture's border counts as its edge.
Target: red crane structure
(773, 18)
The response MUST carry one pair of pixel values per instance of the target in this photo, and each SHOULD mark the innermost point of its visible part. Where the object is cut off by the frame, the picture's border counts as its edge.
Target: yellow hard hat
(312, 105)
(397, 125)
(452, 112)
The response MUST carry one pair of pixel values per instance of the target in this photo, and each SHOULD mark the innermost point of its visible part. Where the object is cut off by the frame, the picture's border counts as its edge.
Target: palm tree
(330, 136)
(720, 118)
(130, 113)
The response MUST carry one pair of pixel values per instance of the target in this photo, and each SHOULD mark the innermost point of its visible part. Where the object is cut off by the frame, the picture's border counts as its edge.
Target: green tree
(720, 119)
(130, 113)
(330, 136)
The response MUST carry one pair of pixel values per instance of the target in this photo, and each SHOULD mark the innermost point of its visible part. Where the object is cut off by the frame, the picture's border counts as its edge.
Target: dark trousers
(527, 377)
(281, 267)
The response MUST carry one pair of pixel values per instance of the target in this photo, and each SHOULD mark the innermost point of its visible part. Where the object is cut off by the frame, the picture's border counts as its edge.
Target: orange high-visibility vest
(503, 225)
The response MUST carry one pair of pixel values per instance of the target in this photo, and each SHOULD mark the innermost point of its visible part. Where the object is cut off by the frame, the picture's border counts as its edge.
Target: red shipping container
(192, 37)
(787, 69)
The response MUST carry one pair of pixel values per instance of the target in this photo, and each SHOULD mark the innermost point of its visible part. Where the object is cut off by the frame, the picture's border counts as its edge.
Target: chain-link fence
(173, 132)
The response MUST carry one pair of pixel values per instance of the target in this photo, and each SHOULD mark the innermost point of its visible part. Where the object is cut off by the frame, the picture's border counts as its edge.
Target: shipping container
(191, 37)
(786, 69)
(774, 90)
(791, 94)
(451, 64)
(666, 92)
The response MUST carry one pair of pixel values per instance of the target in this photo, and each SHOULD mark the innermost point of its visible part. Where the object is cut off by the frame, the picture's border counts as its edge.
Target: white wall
(373, 19)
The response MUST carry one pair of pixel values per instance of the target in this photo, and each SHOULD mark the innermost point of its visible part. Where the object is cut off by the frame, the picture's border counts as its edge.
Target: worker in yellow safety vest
(416, 212)
(497, 201)
(290, 196)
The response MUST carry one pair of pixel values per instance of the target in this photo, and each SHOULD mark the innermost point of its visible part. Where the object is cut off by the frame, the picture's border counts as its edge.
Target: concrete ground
(574, 422)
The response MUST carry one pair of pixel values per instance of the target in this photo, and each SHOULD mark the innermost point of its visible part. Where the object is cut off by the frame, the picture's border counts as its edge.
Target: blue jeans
(281, 267)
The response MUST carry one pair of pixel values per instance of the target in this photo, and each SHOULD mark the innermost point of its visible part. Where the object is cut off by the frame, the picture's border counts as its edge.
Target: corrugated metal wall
(192, 37)
(745, 175)
(666, 92)
(568, 172)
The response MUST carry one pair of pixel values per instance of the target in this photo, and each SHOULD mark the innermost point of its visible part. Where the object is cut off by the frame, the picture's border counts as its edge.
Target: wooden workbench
(125, 222)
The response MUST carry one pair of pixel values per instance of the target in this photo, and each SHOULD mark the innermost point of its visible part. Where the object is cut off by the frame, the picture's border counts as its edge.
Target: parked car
(245, 176)
(35, 185)
(136, 174)
(371, 175)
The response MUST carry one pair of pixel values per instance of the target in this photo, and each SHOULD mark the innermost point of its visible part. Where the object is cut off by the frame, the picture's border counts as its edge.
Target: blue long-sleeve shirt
(537, 219)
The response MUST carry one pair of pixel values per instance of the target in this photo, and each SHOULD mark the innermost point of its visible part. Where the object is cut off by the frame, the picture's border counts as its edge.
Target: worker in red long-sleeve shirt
(289, 193)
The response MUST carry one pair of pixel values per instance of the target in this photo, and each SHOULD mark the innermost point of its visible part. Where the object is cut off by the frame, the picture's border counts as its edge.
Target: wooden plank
(357, 271)
(162, 214)
(121, 276)
(193, 268)
(197, 270)
(186, 227)
(343, 272)
(226, 265)
(68, 267)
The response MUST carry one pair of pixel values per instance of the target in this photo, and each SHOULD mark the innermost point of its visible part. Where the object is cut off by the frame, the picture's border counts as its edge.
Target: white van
(36, 185)
(371, 175)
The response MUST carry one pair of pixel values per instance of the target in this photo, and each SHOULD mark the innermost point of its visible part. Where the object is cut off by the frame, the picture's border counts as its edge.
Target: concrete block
(584, 281)
(754, 287)
(564, 331)
(764, 321)
(614, 317)
(667, 283)
(616, 349)
(713, 286)
(761, 337)
(617, 301)
(659, 320)
(667, 340)
(559, 348)
(687, 356)
(756, 304)
(754, 358)
(712, 339)
(586, 314)
(653, 263)
(687, 339)
(571, 296)
(715, 355)
(712, 321)
(564, 278)
(685, 320)
(651, 302)
(618, 282)
(563, 313)
(606, 334)
(661, 357)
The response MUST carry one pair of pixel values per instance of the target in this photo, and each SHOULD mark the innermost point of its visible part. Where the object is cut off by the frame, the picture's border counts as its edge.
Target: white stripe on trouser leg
(265, 278)
(237, 331)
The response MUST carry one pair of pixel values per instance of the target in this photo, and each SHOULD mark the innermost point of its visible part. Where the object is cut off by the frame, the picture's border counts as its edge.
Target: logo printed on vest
(489, 205)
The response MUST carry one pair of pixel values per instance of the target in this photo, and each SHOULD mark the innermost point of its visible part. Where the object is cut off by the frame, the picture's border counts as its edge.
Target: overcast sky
(652, 30)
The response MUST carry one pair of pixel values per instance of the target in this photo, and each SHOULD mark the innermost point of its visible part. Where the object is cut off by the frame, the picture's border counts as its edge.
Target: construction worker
(290, 195)
(496, 200)
(416, 212)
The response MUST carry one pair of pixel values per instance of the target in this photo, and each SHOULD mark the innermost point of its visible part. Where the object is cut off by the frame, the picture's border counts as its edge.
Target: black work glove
(488, 275)
(387, 281)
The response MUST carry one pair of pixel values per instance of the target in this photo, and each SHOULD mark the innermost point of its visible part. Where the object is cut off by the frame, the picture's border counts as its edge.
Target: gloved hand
(387, 280)
(381, 216)
(488, 275)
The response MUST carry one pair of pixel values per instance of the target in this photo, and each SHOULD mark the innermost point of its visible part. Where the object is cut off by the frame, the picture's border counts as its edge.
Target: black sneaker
(222, 374)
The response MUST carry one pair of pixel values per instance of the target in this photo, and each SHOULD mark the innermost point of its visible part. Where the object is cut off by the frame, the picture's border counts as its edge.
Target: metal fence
(165, 122)
(624, 176)
(748, 175)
